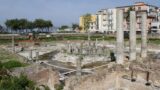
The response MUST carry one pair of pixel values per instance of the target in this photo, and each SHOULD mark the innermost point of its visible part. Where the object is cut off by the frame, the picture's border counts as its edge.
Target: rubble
(39, 74)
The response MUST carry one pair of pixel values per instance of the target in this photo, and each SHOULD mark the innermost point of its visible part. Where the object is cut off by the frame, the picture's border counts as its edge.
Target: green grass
(7, 56)
(82, 37)
(13, 64)
(10, 60)
(5, 41)
(154, 41)
(75, 37)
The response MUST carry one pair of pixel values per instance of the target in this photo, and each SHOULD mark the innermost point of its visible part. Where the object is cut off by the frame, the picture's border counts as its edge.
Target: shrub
(59, 86)
(16, 83)
(12, 64)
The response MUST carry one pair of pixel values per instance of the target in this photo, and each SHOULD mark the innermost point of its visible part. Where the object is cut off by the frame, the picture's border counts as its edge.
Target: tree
(16, 83)
(8, 23)
(43, 24)
(30, 26)
(127, 15)
(80, 28)
(64, 27)
(1, 29)
(12, 24)
(24, 24)
(74, 26)
(39, 23)
(87, 20)
(48, 24)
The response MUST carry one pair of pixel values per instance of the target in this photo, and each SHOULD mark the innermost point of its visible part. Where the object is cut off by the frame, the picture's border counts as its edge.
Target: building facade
(102, 17)
(111, 20)
(93, 26)
(106, 21)
(139, 7)
(82, 23)
(159, 15)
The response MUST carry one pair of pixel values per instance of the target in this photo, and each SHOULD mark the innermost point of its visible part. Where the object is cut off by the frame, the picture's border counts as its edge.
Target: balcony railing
(152, 14)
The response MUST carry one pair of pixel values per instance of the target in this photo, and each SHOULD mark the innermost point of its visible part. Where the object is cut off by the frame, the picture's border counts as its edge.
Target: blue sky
(60, 12)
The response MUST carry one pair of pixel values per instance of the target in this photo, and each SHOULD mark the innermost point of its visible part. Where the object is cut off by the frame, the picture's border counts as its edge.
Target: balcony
(104, 19)
(152, 14)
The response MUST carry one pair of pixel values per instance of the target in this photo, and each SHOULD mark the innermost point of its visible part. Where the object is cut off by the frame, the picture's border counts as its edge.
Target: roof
(136, 4)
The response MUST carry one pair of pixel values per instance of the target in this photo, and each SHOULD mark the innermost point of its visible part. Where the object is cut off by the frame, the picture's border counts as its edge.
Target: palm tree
(12, 24)
(25, 25)
(48, 24)
(30, 26)
(22, 25)
(39, 23)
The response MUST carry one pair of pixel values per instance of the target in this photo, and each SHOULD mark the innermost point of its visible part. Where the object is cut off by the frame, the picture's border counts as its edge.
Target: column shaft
(120, 38)
(132, 36)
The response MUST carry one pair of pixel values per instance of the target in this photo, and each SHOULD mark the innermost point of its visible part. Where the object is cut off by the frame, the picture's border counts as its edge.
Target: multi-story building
(111, 20)
(102, 18)
(92, 26)
(159, 15)
(106, 20)
(139, 7)
(82, 22)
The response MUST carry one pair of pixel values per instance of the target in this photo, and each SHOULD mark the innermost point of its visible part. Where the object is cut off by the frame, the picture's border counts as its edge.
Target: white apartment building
(106, 18)
(159, 15)
(106, 21)
(102, 22)
(93, 27)
(111, 20)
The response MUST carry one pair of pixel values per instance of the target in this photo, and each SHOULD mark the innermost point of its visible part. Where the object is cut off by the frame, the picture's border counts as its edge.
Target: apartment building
(92, 22)
(93, 26)
(106, 21)
(102, 17)
(159, 15)
(111, 20)
(139, 7)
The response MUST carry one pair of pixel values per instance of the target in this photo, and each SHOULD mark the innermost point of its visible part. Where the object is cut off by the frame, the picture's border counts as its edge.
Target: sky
(60, 12)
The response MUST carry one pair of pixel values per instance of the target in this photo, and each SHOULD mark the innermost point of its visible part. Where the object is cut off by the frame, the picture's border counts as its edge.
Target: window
(140, 26)
(91, 23)
(154, 27)
(139, 8)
